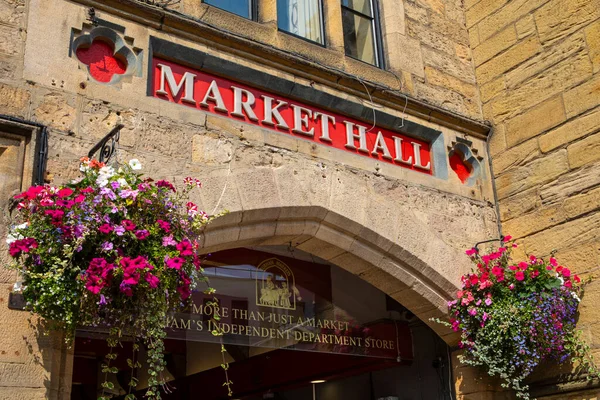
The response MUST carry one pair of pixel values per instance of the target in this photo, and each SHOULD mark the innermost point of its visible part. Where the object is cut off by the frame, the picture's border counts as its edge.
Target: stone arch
(423, 284)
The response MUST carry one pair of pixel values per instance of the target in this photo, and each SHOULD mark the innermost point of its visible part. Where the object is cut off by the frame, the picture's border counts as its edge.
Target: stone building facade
(511, 86)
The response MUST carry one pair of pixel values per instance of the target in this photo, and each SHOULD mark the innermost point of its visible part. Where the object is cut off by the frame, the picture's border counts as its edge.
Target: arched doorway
(295, 326)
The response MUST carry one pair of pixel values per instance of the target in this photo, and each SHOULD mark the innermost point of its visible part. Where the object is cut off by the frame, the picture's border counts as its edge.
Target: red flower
(566, 272)
(519, 275)
(128, 224)
(185, 248)
(167, 184)
(79, 198)
(507, 238)
(65, 192)
(106, 228)
(142, 234)
(576, 279)
(471, 252)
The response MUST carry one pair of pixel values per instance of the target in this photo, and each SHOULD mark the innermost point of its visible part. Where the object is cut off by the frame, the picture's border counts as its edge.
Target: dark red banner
(196, 89)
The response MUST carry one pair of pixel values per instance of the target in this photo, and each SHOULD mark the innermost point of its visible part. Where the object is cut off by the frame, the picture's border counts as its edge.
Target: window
(301, 18)
(243, 8)
(361, 30)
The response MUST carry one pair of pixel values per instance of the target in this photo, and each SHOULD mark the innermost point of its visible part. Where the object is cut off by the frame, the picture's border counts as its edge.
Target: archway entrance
(294, 327)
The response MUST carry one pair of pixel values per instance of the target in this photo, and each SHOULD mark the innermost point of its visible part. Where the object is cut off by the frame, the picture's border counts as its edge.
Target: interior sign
(200, 90)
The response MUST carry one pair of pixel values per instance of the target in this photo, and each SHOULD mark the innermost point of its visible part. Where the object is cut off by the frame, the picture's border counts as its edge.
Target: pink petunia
(128, 224)
(471, 252)
(152, 280)
(185, 248)
(65, 192)
(175, 262)
(566, 272)
(142, 234)
(106, 228)
(519, 275)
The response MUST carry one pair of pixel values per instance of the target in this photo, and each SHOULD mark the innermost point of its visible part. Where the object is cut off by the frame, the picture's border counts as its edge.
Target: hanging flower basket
(112, 250)
(514, 315)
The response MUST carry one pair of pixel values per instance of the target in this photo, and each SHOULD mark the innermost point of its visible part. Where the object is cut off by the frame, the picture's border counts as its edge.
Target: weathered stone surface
(481, 10)
(438, 78)
(211, 150)
(416, 12)
(569, 184)
(455, 30)
(474, 37)
(520, 203)
(536, 221)
(492, 89)
(592, 37)
(428, 37)
(463, 53)
(560, 18)
(535, 121)
(436, 6)
(449, 99)
(450, 65)
(583, 97)
(546, 59)
(498, 140)
(570, 131)
(585, 151)
(511, 12)
(8, 44)
(516, 156)
(494, 45)
(56, 111)
(13, 101)
(554, 80)
(582, 203)
(525, 26)
(538, 171)
(409, 60)
(567, 235)
(514, 56)
(580, 258)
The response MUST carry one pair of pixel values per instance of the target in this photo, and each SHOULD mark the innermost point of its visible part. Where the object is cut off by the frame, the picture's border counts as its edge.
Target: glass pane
(239, 7)
(362, 6)
(300, 17)
(358, 37)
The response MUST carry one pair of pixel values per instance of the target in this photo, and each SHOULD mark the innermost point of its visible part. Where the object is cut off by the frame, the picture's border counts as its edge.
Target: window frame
(377, 37)
(252, 5)
(322, 16)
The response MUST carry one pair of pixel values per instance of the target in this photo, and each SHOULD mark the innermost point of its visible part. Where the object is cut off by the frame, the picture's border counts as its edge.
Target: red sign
(192, 88)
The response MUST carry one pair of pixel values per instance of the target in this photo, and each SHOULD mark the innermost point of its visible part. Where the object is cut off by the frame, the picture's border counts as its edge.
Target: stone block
(492, 89)
(450, 65)
(525, 26)
(13, 100)
(12, 12)
(559, 18)
(463, 53)
(11, 40)
(510, 13)
(592, 37)
(416, 12)
(536, 172)
(495, 44)
(535, 121)
(457, 31)
(546, 59)
(324, 249)
(516, 156)
(429, 37)
(583, 97)
(410, 59)
(498, 140)
(580, 258)
(57, 111)
(519, 204)
(393, 18)
(572, 130)
(512, 57)
(474, 37)
(585, 151)
(449, 100)
(564, 236)
(481, 10)
(582, 203)
(554, 80)
(439, 78)
(210, 150)
(536, 221)
(569, 184)
(436, 6)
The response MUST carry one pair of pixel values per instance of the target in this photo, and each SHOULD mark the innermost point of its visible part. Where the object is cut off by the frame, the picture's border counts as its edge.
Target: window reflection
(360, 36)
(301, 18)
(242, 8)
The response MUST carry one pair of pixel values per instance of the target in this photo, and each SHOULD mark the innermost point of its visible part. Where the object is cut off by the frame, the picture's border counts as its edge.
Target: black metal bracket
(500, 239)
(108, 145)
(16, 301)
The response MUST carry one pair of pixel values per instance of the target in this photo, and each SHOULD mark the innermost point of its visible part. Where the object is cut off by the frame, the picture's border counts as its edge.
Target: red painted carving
(462, 170)
(101, 60)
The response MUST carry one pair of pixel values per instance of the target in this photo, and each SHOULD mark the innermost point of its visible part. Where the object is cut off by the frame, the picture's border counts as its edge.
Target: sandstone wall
(538, 69)
(245, 168)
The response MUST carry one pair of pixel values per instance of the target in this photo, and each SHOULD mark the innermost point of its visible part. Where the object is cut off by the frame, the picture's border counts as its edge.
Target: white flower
(77, 180)
(123, 183)
(102, 181)
(107, 170)
(576, 297)
(13, 235)
(18, 286)
(135, 164)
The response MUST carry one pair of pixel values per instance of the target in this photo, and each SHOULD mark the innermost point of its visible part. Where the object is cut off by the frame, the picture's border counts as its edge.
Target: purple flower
(119, 230)
(168, 241)
(115, 185)
(102, 300)
(141, 234)
(107, 246)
